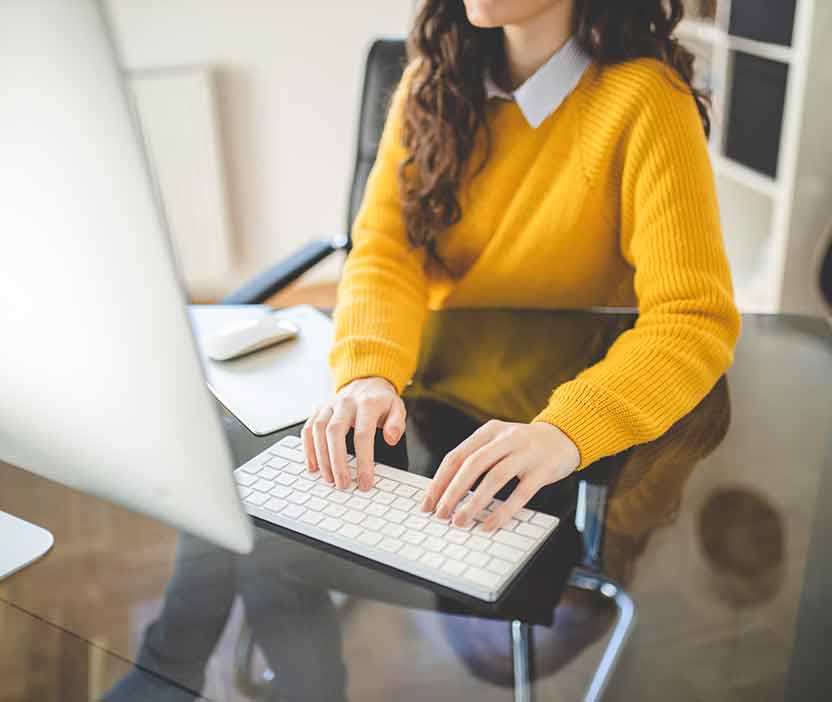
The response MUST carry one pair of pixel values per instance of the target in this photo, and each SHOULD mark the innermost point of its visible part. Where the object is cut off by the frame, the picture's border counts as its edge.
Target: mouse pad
(276, 387)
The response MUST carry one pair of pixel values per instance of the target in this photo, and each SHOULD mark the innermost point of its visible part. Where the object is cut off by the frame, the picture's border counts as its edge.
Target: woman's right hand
(363, 405)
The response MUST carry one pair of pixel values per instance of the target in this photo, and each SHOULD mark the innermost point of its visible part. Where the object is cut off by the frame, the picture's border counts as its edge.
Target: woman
(538, 153)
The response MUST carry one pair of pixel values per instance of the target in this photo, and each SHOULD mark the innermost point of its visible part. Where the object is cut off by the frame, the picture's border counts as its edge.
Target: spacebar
(417, 481)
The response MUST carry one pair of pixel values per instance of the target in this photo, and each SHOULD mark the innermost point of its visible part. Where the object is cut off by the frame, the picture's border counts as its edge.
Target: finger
(526, 489)
(336, 440)
(319, 439)
(309, 443)
(395, 422)
(491, 484)
(453, 461)
(366, 421)
(482, 460)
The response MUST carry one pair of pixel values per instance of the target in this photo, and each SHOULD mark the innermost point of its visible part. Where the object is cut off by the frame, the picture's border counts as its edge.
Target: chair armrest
(278, 276)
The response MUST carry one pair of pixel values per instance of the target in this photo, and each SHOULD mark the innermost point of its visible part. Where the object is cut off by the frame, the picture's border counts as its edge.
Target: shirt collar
(544, 91)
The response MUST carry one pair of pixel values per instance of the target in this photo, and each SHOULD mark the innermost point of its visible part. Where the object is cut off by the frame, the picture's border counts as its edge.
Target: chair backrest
(825, 268)
(386, 61)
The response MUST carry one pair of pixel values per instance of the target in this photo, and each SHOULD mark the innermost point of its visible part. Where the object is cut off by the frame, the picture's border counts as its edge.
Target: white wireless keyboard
(386, 523)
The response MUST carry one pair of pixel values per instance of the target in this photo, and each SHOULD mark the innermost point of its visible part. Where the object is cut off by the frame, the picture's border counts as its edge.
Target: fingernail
(426, 505)
(460, 518)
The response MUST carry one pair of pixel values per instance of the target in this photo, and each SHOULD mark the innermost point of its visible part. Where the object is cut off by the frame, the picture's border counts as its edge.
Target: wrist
(567, 449)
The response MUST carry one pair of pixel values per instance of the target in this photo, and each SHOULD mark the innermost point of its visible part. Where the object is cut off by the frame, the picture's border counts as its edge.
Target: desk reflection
(475, 365)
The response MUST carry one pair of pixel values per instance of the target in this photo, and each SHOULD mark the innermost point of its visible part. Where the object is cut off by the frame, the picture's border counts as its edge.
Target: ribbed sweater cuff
(365, 357)
(586, 415)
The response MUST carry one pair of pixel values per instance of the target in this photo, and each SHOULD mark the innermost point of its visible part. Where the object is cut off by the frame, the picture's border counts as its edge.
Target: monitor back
(100, 385)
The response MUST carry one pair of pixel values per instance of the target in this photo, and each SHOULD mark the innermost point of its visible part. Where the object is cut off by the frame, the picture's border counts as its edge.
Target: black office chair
(386, 60)
(824, 267)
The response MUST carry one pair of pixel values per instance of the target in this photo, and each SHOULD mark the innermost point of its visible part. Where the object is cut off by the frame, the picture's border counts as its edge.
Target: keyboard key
(413, 537)
(524, 515)
(338, 496)
(395, 516)
(317, 504)
(384, 498)
(311, 517)
(243, 478)
(281, 491)
(507, 552)
(476, 558)
(285, 452)
(376, 510)
(263, 485)
(331, 524)
(478, 543)
(293, 511)
(515, 540)
(435, 529)
(321, 490)
(354, 517)
(404, 504)
(405, 491)
(434, 544)
(416, 523)
(373, 523)
(394, 530)
(456, 551)
(453, 567)
(387, 485)
(298, 497)
(285, 479)
(482, 577)
(456, 537)
(531, 530)
(349, 531)
(255, 465)
(498, 566)
(371, 538)
(303, 484)
(267, 473)
(369, 494)
(433, 560)
(335, 510)
(294, 469)
(275, 504)
(391, 545)
(290, 441)
(544, 520)
(358, 503)
(244, 491)
(256, 498)
(414, 553)
(510, 525)
(277, 463)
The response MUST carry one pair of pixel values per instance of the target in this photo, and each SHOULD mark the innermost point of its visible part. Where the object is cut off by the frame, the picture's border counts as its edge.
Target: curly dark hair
(445, 107)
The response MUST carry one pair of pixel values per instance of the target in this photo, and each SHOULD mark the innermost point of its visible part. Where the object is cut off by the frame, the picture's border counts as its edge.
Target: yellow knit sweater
(609, 202)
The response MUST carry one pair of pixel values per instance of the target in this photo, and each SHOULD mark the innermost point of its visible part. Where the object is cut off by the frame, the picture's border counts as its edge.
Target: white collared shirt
(544, 91)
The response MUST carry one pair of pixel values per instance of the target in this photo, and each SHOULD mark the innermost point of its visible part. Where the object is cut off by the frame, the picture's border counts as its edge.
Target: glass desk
(695, 567)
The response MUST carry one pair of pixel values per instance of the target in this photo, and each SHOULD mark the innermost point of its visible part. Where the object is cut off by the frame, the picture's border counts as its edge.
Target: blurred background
(250, 111)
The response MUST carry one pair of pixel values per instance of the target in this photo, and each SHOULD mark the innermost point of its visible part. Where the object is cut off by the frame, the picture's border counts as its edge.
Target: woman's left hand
(537, 454)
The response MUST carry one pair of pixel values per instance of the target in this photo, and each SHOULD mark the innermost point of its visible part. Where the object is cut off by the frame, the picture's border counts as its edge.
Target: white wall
(289, 78)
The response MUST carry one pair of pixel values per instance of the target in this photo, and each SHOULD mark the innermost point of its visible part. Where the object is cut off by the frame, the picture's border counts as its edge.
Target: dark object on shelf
(771, 21)
(755, 120)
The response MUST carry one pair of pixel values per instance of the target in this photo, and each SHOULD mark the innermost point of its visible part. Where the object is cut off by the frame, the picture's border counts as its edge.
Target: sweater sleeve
(382, 296)
(688, 325)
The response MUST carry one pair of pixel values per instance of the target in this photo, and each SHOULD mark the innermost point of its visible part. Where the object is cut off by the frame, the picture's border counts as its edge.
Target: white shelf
(708, 32)
(758, 182)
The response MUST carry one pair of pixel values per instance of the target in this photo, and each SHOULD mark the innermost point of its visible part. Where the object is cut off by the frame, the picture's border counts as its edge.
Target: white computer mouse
(246, 336)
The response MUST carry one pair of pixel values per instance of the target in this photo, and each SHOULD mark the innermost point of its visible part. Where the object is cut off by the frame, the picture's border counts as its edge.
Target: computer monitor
(100, 383)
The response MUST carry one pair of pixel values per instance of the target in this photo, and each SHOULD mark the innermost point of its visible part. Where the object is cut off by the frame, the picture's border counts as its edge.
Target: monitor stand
(21, 543)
